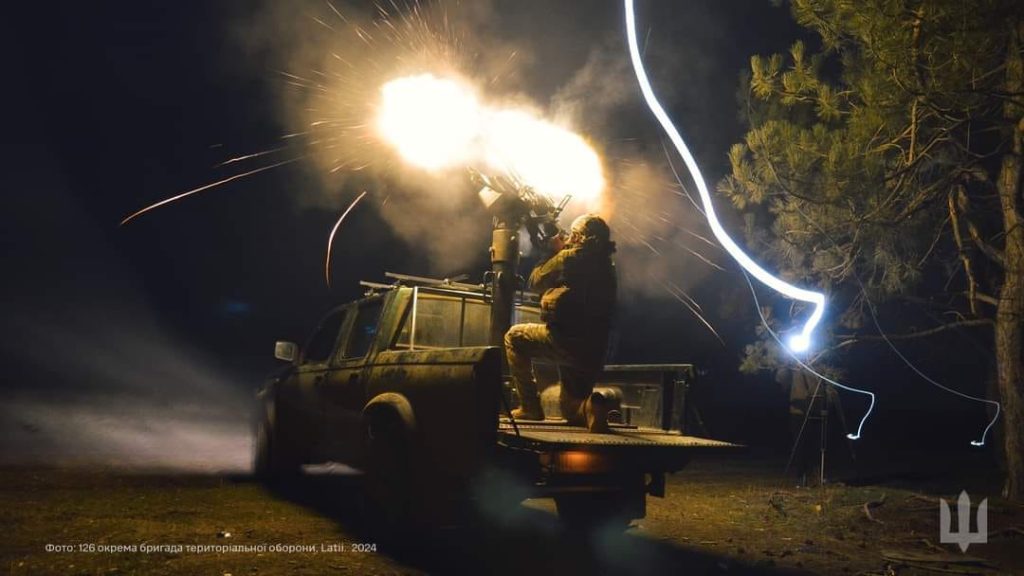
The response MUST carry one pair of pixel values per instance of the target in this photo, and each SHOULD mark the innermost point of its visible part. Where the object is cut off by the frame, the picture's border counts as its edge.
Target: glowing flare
(432, 122)
(764, 321)
(798, 343)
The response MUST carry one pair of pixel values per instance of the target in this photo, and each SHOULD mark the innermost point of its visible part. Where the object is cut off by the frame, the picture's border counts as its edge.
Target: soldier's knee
(518, 338)
(512, 337)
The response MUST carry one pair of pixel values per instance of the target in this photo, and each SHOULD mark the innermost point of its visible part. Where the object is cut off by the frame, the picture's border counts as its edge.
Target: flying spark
(334, 231)
(341, 100)
(166, 201)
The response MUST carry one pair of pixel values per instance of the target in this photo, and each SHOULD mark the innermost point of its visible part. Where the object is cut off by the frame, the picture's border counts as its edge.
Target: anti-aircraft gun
(408, 385)
(514, 206)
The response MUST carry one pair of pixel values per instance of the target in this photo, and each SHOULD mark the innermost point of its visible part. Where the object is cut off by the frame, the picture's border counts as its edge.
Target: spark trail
(166, 201)
(330, 238)
(342, 99)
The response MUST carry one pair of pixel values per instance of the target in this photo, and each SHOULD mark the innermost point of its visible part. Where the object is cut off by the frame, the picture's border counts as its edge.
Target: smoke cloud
(335, 61)
(92, 375)
(666, 248)
(96, 374)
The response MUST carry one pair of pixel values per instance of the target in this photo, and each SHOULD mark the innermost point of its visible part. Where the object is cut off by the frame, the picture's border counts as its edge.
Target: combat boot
(596, 411)
(530, 409)
(572, 409)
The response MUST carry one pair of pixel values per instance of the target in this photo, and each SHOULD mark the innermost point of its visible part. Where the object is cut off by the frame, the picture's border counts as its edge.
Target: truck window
(321, 343)
(476, 324)
(364, 330)
(450, 321)
(525, 315)
(437, 321)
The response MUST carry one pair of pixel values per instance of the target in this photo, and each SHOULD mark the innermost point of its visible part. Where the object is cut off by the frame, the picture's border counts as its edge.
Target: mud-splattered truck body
(402, 385)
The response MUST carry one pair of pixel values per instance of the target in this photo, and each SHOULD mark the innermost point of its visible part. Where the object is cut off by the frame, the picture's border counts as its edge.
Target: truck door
(343, 393)
(299, 402)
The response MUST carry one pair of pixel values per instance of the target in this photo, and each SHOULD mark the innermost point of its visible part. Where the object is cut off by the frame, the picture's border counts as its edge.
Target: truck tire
(388, 480)
(598, 510)
(273, 461)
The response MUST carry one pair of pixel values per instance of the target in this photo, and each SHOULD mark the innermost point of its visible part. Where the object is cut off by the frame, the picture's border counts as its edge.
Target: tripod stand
(819, 403)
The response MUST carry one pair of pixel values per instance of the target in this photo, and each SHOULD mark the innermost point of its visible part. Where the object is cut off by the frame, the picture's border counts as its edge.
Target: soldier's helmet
(591, 228)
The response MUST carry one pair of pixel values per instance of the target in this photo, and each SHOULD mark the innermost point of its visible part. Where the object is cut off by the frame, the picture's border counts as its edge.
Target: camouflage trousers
(579, 362)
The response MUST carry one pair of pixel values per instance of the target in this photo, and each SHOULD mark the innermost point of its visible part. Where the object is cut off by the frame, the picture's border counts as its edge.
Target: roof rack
(374, 287)
(413, 281)
(455, 283)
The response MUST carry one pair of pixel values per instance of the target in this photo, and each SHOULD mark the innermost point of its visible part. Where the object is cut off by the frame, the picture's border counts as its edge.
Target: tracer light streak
(797, 343)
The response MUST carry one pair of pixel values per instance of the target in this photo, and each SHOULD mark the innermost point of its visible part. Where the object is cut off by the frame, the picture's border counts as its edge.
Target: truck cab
(403, 385)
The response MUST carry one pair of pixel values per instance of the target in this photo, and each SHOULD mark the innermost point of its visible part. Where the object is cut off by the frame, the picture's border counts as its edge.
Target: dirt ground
(721, 516)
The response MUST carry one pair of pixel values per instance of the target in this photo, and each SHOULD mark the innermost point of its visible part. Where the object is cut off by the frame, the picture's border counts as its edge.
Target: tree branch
(920, 334)
(993, 253)
(982, 297)
(972, 284)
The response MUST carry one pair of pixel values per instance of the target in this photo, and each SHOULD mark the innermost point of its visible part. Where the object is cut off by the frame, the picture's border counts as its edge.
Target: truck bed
(559, 435)
(563, 454)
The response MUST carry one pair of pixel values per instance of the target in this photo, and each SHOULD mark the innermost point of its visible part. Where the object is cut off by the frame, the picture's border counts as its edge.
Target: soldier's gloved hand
(556, 243)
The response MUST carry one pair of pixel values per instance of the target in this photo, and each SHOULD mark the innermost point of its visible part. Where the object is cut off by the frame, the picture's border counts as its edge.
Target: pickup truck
(403, 386)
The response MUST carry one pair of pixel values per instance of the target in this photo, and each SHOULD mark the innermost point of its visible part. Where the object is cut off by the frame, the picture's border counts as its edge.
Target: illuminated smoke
(553, 160)
(112, 430)
(433, 123)
(439, 124)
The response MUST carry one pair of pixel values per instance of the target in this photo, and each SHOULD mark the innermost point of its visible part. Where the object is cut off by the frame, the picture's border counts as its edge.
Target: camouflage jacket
(578, 288)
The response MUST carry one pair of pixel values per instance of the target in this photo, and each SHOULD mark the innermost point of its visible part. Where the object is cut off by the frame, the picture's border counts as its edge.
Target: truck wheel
(273, 461)
(593, 510)
(389, 482)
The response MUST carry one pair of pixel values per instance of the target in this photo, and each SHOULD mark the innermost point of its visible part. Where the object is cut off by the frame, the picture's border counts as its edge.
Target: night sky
(118, 104)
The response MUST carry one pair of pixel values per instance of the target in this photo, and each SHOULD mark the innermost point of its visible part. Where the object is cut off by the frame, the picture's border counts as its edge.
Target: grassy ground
(740, 511)
(719, 517)
(87, 507)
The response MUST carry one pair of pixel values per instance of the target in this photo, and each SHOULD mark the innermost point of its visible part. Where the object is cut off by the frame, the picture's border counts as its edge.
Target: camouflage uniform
(579, 289)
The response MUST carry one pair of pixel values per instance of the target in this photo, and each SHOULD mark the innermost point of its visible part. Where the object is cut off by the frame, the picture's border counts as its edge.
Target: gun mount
(514, 206)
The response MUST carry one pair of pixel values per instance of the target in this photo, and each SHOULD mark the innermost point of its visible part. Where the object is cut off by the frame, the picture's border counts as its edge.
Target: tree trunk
(1009, 328)
(1009, 337)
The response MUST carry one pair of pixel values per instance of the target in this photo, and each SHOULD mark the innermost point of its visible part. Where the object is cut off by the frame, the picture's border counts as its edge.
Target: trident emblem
(963, 537)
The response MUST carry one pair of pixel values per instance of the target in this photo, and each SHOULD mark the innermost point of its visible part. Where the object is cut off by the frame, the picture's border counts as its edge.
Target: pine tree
(889, 153)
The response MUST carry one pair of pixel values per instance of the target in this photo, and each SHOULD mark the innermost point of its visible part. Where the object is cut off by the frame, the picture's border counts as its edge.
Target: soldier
(578, 297)
(809, 399)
